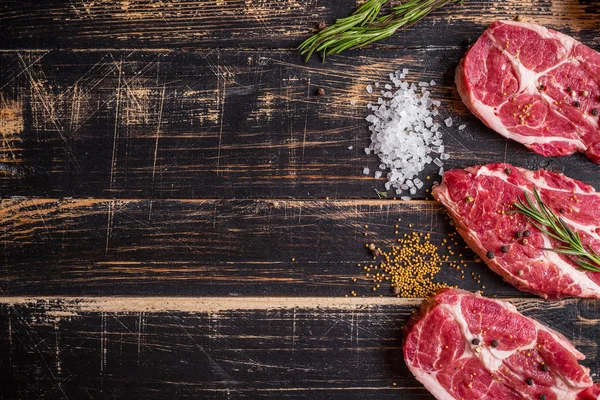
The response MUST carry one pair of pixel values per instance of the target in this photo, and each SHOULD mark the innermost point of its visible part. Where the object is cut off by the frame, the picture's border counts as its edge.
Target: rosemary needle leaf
(555, 227)
(567, 251)
(381, 195)
(588, 266)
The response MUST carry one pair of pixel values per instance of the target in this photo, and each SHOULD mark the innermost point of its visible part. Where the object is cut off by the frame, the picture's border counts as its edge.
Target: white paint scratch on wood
(76, 305)
(294, 331)
(116, 130)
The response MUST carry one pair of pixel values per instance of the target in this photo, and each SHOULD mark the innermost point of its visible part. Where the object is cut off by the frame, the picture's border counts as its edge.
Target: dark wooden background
(162, 162)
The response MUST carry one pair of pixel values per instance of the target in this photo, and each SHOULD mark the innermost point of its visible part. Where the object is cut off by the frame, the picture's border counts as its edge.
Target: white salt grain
(353, 102)
(405, 198)
(441, 171)
(369, 89)
(432, 83)
(350, 147)
(366, 171)
(403, 133)
(367, 150)
(448, 122)
(461, 127)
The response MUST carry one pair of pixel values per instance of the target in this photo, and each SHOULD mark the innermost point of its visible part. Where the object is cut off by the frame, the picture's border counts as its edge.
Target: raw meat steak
(536, 86)
(480, 200)
(464, 346)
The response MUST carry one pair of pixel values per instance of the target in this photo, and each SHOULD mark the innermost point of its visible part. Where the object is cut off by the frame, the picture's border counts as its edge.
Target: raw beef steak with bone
(463, 346)
(536, 86)
(480, 200)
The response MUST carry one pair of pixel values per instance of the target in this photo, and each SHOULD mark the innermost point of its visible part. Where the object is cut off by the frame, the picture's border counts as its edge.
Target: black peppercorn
(526, 233)
(545, 368)
(321, 92)
(541, 87)
(475, 342)
(504, 249)
(576, 104)
(529, 381)
(494, 343)
(594, 111)
(518, 234)
(542, 397)
(569, 89)
(490, 255)
(561, 210)
(507, 171)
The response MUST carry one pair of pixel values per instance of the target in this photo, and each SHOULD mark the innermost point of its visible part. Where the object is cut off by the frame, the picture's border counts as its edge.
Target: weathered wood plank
(214, 247)
(252, 23)
(218, 124)
(223, 348)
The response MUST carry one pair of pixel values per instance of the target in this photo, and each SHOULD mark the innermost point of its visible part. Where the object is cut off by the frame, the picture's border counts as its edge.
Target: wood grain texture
(253, 23)
(213, 247)
(219, 124)
(316, 348)
(177, 150)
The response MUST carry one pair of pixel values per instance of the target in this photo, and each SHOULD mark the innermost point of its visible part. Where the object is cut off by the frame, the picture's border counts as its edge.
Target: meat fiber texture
(448, 347)
(536, 86)
(480, 200)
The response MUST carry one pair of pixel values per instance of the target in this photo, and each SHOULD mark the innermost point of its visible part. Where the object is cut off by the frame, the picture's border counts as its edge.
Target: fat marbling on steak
(536, 86)
(461, 345)
(480, 200)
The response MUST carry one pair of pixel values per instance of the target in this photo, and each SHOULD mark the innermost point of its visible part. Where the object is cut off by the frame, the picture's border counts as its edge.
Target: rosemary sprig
(555, 227)
(363, 28)
(364, 14)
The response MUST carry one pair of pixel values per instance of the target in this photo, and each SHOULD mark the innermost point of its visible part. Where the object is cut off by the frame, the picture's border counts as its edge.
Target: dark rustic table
(162, 163)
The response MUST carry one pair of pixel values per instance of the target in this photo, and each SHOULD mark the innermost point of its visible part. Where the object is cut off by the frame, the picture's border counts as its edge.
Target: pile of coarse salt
(404, 134)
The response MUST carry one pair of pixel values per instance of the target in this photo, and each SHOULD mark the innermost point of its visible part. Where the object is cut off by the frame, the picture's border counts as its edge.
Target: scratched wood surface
(219, 123)
(215, 247)
(148, 348)
(252, 23)
(179, 148)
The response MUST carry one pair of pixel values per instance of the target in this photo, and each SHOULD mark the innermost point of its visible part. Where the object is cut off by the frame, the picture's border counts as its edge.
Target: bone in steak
(460, 345)
(536, 86)
(480, 201)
